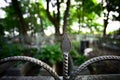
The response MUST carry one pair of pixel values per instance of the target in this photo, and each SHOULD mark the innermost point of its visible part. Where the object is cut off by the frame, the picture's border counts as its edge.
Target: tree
(85, 12)
(59, 13)
(35, 19)
(111, 6)
(56, 15)
(23, 25)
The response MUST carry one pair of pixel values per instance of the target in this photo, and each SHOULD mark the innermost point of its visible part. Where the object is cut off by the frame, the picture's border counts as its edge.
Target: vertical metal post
(66, 46)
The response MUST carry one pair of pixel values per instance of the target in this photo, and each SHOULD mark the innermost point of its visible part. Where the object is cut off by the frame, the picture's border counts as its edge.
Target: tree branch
(66, 16)
(24, 26)
(48, 13)
(58, 13)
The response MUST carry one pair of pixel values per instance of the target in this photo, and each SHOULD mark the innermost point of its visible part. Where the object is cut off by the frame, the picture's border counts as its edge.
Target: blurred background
(35, 27)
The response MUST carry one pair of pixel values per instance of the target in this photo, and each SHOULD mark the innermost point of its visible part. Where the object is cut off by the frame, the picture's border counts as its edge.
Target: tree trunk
(23, 26)
(1, 30)
(55, 19)
(57, 34)
(105, 24)
(66, 14)
(41, 22)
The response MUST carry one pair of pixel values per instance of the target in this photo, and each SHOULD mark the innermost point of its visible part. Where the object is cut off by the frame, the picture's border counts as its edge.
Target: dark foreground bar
(82, 77)
(27, 78)
(99, 77)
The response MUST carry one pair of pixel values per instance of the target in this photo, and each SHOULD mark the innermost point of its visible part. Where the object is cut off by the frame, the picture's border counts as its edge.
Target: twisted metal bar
(65, 66)
(93, 60)
(66, 46)
(32, 60)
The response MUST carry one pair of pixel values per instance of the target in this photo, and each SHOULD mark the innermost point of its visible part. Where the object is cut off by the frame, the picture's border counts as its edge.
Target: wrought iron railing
(66, 45)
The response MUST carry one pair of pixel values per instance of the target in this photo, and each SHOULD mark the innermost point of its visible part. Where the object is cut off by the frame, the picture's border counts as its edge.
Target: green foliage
(29, 51)
(85, 12)
(16, 49)
(11, 20)
(78, 58)
(36, 18)
(10, 50)
(50, 53)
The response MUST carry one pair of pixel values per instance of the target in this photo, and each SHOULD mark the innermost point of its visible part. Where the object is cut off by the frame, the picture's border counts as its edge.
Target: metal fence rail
(75, 75)
(32, 60)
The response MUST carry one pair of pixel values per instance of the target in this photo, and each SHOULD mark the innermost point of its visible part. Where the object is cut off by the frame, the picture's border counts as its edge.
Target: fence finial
(66, 46)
